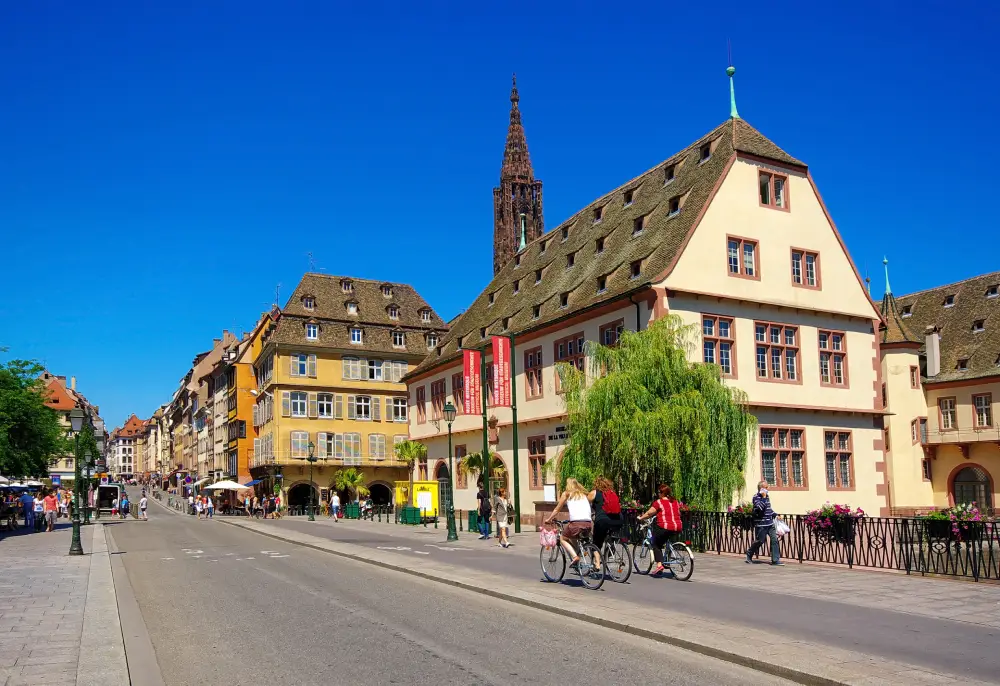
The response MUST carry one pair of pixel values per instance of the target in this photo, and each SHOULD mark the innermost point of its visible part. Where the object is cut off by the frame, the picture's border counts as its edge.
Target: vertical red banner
(501, 371)
(470, 380)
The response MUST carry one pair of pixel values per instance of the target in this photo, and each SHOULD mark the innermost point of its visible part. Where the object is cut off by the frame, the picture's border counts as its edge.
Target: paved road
(968, 649)
(224, 605)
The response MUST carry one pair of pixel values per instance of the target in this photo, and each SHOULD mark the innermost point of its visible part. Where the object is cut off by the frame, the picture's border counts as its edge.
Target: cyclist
(574, 497)
(607, 512)
(667, 525)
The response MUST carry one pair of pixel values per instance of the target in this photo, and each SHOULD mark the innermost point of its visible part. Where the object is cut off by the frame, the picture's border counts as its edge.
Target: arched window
(972, 485)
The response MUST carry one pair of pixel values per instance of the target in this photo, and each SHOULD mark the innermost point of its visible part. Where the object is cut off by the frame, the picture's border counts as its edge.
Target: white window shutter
(321, 444)
(294, 367)
(372, 443)
(256, 447)
(286, 404)
(338, 406)
(351, 414)
(313, 405)
(376, 409)
(311, 366)
(388, 410)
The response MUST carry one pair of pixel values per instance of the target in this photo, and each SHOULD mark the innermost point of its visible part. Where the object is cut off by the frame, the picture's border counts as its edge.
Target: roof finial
(513, 91)
(885, 263)
(733, 114)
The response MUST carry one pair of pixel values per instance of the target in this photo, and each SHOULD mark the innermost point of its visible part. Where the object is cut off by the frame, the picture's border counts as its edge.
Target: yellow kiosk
(425, 497)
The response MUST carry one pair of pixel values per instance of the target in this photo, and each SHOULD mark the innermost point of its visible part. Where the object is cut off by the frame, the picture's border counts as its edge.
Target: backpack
(612, 505)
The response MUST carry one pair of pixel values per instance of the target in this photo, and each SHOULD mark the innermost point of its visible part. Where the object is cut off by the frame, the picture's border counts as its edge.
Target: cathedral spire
(517, 202)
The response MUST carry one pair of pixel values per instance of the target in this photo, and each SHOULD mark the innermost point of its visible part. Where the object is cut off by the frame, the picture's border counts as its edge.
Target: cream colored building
(731, 235)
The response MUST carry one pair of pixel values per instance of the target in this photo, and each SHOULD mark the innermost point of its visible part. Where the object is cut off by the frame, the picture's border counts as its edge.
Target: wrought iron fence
(911, 545)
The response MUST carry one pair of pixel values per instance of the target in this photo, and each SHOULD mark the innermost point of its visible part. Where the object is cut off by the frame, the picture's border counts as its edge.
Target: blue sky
(165, 165)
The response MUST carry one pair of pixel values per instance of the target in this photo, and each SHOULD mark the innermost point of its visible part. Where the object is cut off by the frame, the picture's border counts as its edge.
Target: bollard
(459, 517)
(435, 519)
(379, 514)
(423, 518)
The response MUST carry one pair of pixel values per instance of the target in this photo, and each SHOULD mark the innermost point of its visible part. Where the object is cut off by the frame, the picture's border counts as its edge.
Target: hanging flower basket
(741, 517)
(833, 523)
(959, 523)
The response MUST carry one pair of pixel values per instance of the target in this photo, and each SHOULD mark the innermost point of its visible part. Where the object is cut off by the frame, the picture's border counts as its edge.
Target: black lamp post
(312, 491)
(449, 416)
(76, 417)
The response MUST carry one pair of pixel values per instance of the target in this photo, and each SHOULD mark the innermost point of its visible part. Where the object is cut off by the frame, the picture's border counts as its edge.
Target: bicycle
(553, 561)
(615, 556)
(680, 559)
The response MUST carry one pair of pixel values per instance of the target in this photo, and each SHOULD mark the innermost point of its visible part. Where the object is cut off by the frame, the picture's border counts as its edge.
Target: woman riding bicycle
(576, 501)
(667, 526)
(607, 511)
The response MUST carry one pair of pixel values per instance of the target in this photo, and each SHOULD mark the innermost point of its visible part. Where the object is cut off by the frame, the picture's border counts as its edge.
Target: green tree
(350, 480)
(410, 452)
(30, 432)
(651, 416)
(472, 465)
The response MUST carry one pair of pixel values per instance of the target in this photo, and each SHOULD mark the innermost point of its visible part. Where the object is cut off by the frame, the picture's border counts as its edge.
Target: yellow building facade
(328, 371)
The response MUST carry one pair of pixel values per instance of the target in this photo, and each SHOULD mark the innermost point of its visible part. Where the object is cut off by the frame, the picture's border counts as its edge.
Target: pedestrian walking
(503, 512)
(764, 526)
(123, 507)
(199, 506)
(38, 506)
(191, 507)
(28, 510)
(335, 506)
(64, 504)
(114, 507)
(209, 507)
(246, 505)
(485, 512)
(50, 506)
(142, 509)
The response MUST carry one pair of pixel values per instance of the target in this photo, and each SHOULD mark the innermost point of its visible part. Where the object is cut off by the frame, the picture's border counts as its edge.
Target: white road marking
(398, 547)
(275, 557)
(421, 552)
(196, 556)
(166, 558)
(228, 554)
(443, 547)
(189, 551)
(250, 558)
(269, 552)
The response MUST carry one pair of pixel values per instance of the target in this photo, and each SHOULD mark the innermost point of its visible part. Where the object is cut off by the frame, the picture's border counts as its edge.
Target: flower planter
(943, 529)
(840, 530)
(741, 521)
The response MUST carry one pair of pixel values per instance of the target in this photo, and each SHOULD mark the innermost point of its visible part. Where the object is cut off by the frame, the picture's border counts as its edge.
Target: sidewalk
(46, 599)
(811, 624)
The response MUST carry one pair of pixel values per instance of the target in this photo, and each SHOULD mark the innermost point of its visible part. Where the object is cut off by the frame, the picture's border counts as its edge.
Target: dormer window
(517, 261)
(629, 195)
(993, 291)
(669, 173)
(636, 269)
(675, 206)
(962, 364)
(565, 232)
(506, 323)
(309, 302)
(432, 340)
(346, 286)
(517, 286)
(312, 332)
(541, 247)
(356, 336)
(570, 260)
(393, 312)
(564, 300)
(979, 326)
(600, 245)
(387, 291)
(482, 333)
(704, 153)
(458, 341)
(536, 311)
(492, 297)
(538, 276)
(639, 225)
(598, 214)
(602, 284)
(398, 339)
(907, 310)
(949, 301)
(425, 316)
(352, 308)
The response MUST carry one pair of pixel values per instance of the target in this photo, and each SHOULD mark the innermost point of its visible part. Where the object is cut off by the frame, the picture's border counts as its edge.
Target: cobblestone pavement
(43, 595)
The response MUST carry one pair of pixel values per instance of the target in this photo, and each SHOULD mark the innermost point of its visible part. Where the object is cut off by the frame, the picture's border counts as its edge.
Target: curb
(102, 646)
(727, 656)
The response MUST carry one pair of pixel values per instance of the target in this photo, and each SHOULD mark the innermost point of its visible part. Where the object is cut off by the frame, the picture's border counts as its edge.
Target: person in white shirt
(191, 504)
(209, 507)
(335, 506)
(142, 508)
(199, 506)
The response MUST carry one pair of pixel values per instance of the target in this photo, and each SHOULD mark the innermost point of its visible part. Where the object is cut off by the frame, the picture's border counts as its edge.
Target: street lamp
(312, 491)
(76, 417)
(449, 416)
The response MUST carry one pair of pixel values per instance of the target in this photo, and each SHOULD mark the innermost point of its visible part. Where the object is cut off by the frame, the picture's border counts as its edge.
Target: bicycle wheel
(617, 561)
(591, 574)
(683, 563)
(553, 563)
(642, 557)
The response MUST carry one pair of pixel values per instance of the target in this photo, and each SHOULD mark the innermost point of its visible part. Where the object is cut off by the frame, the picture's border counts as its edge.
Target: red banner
(501, 371)
(470, 380)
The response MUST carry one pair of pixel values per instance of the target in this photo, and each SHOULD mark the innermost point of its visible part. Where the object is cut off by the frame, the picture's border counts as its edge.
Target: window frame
(396, 403)
(315, 331)
(577, 359)
(718, 340)
(838, 453)
(741, 242)
(439, 391)
(292, 400)
(536, 456)
(772, 203)
(615, 328)
(954, 413)
(461, 478)
(402, 338)
(804, 254)
(534, 388)
(458, 392)
(782, 453)
(420, 400)
(833, 354)
(298, 444)
(914, 431)
(325, 400)
(914, 377)
(360, 335)
(989, 411)
(309, 302)
(769, 353)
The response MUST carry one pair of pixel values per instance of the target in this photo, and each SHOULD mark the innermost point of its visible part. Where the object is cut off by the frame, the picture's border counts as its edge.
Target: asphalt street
(949, 646)
(224, 605)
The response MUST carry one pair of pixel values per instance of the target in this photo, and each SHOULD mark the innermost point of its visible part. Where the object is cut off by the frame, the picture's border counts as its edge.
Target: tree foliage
(410, 452)
(472, 464)
(650, 416)
(350, 480)
(30, 432)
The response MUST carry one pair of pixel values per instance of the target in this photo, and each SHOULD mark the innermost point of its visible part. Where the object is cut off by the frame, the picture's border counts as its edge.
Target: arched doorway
(972, 485)
(299, 494)
(380, 493)
(444, 484)
(441, 471)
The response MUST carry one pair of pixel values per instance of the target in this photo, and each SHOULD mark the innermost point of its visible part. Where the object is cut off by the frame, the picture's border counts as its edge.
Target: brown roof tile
(894, 329)
(656, 246)
(955, 324)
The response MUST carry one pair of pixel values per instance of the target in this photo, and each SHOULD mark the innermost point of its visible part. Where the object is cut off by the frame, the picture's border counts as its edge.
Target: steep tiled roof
(133, 427)
(331, 313)
(654, 247)
(956, 323)
(58, 395)
(895, 328)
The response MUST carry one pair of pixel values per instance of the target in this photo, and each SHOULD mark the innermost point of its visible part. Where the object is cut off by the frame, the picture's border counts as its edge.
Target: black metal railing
(911, 545)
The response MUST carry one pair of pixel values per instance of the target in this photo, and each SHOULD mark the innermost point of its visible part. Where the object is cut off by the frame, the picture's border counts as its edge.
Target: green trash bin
(410, 515)
(352, 511)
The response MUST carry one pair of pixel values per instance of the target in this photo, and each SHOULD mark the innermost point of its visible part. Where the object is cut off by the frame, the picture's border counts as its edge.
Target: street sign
(56, 480)
(100, 466)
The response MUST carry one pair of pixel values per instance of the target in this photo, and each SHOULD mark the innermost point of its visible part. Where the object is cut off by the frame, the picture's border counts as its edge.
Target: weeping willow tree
(648, 416)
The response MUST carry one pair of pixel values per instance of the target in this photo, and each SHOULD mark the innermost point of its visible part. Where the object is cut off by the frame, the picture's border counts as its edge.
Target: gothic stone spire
(519, 193)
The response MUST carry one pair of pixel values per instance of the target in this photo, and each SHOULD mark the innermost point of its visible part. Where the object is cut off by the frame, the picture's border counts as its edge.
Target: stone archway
(971, 483)
(299, 494)
(441, 470)
(380, 493)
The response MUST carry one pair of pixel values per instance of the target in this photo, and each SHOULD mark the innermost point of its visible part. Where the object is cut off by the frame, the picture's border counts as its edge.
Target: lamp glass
(449, 412)
(76, 417)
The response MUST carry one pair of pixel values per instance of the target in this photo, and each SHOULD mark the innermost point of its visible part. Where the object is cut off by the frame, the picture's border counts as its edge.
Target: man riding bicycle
(576, 501)
(667, 526)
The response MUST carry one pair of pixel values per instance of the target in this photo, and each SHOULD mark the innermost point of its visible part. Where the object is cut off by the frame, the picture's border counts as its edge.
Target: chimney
(72, 383)
(932, 346)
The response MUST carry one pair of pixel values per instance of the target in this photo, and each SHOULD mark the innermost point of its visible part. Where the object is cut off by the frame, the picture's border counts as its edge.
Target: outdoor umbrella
(225, 486)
